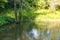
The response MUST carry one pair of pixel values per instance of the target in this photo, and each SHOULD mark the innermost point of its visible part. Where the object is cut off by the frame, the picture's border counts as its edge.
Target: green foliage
(43, 13)
(45, 17)
(4, 0)
(29, 13)
(9, 13)
(5, 20)
(28, 19)
(2, 3)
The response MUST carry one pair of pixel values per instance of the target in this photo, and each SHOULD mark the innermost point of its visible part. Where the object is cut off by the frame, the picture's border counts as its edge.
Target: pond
(13, 31)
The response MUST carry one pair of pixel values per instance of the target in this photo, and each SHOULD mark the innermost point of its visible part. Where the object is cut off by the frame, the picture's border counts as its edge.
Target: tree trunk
(20, 19)
(17, 26)
(15, 10)
(20, 11)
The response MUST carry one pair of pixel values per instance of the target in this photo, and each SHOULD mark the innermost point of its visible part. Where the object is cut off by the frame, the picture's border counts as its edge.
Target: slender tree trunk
(20, 11)
(16, 20)
(20, 17)
(15, 10)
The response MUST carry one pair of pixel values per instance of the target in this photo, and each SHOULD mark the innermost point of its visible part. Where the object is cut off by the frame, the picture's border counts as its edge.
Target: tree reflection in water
(48, 33)
(34, 34)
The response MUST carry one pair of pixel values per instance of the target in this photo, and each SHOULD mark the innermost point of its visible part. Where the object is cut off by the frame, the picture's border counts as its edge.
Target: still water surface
(10, 32)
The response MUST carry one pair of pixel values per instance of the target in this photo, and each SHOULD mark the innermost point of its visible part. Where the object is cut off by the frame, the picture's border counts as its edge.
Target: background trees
(29, 4)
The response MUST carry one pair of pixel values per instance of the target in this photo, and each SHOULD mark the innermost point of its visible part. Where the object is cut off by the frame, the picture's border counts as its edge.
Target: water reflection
(48, 34)
(8, 32)
(44, 35)
(34, 34)
(57, 38)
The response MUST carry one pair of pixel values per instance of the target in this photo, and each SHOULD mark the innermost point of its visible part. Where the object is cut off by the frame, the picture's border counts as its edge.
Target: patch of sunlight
(53, 16)
(42, 10)
(58, 12)
(5, 0)
(45, 21)
(50, 16)
(11, 15)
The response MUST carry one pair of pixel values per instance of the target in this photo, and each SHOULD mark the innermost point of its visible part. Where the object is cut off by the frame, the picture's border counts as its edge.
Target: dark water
(7, 32)
(13, 31)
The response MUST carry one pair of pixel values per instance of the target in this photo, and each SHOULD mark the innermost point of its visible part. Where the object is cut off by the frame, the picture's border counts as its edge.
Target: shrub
(5, 20)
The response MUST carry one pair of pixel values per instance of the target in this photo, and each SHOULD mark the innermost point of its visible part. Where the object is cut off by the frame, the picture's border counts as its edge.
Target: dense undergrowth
(29, 17)
(5, 20)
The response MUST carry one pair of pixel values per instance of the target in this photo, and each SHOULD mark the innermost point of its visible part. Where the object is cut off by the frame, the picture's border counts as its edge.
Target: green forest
(28, 14)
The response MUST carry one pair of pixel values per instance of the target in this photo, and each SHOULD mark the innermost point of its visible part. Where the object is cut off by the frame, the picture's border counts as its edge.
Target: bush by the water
(5, 20)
